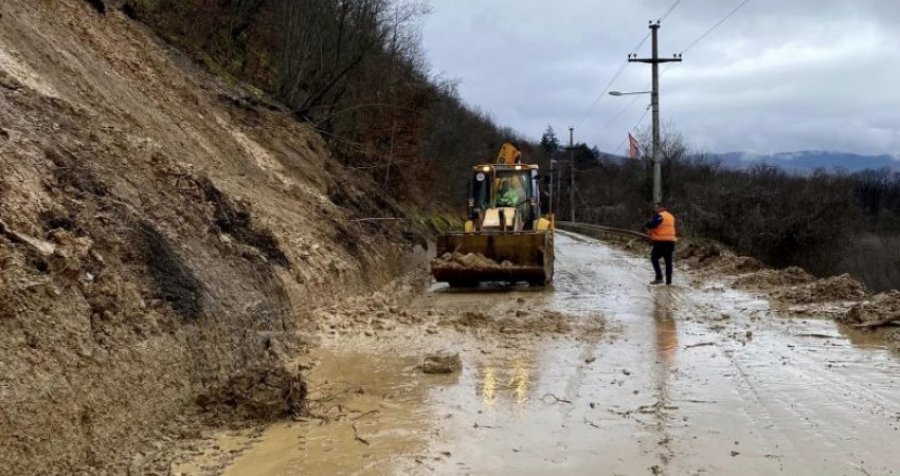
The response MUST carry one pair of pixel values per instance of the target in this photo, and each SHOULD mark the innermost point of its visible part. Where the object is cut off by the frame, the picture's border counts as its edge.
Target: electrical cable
(636, 124)
(612, 80)
(717, 25)
(670, 10)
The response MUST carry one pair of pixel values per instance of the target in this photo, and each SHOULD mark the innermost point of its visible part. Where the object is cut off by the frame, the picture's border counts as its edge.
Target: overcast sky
(778, 76)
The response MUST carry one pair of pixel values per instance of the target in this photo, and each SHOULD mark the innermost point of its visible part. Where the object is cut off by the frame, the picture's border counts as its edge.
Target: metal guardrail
(575, 226)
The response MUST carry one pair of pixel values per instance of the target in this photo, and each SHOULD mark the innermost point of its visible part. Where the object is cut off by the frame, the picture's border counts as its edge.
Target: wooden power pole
(572, 174)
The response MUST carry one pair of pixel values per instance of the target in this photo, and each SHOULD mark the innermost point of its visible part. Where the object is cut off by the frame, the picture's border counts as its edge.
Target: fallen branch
(878, 322)
(43, 247)
(591, 423)
(702, 344)
(359, 438)
(376, 219)
(476, 426)
(370, 412)
(557, 399)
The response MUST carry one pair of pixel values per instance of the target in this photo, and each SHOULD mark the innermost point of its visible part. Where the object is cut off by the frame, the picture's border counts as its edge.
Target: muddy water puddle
(679, 381)
(375, 412)
(368, 414)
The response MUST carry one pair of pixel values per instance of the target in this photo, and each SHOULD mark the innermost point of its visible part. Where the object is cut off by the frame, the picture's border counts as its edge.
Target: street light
(619, 93)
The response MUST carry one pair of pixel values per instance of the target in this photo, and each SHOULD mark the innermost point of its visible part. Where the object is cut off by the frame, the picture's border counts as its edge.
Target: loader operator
(661, 229)
(507, 197)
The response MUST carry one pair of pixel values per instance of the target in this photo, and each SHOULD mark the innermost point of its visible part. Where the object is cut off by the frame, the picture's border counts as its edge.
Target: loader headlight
(518, 167)
(486, 169)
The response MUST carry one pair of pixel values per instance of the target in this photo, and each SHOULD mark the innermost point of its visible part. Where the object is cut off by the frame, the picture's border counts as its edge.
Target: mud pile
(264, 394)
(894, 340)
(470, 261)
(773, 278)
(702, 254)
(836, 288)
(881, 310)
(524, 322)
(375, 312)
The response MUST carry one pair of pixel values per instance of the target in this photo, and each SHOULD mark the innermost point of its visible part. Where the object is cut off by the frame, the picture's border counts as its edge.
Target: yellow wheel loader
(506, 239)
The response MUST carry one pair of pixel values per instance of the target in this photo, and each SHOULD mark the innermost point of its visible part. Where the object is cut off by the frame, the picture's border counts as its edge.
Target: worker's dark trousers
(664, 250)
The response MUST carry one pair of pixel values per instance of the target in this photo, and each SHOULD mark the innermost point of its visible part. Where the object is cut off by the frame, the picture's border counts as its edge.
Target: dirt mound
(472, 261)
(696, 253)
(881, 310)
(701, 251)
(442, 363)
(262, 393)
(837, 288)
(525, 322)
(770, 278)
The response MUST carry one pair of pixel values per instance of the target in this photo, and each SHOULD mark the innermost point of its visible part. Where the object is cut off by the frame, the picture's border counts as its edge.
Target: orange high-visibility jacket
(666, 230)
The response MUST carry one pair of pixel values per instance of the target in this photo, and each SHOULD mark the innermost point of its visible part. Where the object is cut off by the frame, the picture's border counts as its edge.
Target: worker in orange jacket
(662, 236)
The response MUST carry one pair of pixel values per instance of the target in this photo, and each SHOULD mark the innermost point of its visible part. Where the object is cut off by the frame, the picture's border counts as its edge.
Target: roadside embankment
(164, 236)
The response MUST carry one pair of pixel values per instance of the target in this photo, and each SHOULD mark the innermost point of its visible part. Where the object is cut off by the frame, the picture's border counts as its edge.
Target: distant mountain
(805, 162)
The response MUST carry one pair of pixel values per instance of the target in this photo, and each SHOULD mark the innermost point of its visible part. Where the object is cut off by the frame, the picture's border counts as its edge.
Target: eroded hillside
(163, 231)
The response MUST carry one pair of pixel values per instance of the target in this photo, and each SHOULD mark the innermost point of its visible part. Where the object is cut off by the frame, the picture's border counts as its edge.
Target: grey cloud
(778, 76)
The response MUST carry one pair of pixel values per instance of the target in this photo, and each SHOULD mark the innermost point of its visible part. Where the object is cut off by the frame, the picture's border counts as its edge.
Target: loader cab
(500, 191)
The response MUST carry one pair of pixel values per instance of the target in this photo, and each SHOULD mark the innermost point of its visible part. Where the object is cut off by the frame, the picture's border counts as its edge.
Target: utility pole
(552, 161)
(572, 175)
(655, 61)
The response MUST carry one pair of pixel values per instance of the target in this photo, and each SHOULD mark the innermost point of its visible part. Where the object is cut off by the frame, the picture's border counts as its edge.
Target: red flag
(634, 150)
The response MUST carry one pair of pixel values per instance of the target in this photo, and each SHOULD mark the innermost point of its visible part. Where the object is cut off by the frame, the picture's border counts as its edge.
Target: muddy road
(602, 374)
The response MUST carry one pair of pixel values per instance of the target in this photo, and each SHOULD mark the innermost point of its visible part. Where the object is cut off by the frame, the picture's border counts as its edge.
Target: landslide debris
(469, 261)
(442, 363)
(158, 242)
(523, 322)
(767, 279)
(881, 310)
(263, 393)
(703, 254)
(835, 288)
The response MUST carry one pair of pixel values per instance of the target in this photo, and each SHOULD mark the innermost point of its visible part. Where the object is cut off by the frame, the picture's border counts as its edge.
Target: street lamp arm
(619, 93)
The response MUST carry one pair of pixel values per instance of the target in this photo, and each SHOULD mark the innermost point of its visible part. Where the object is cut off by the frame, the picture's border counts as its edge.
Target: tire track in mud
(808, 416)
(821, 405)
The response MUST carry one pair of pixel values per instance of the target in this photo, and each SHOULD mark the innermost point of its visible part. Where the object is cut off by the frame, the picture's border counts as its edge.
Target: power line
(618, 73)
(635, 126)
(670, 10)
(625, 109)
(717, 25)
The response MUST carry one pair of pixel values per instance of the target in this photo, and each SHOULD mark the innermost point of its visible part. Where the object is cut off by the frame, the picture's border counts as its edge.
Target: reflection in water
(666, 352)
(666, 332)
(494, 379)
(519, 382)
(489, 386)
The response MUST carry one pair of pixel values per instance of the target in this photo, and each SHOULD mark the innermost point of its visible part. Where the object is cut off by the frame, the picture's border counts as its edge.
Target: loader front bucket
(466, 259)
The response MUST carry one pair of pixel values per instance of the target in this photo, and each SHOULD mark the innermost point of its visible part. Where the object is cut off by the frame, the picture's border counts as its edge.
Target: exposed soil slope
(162, 233)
